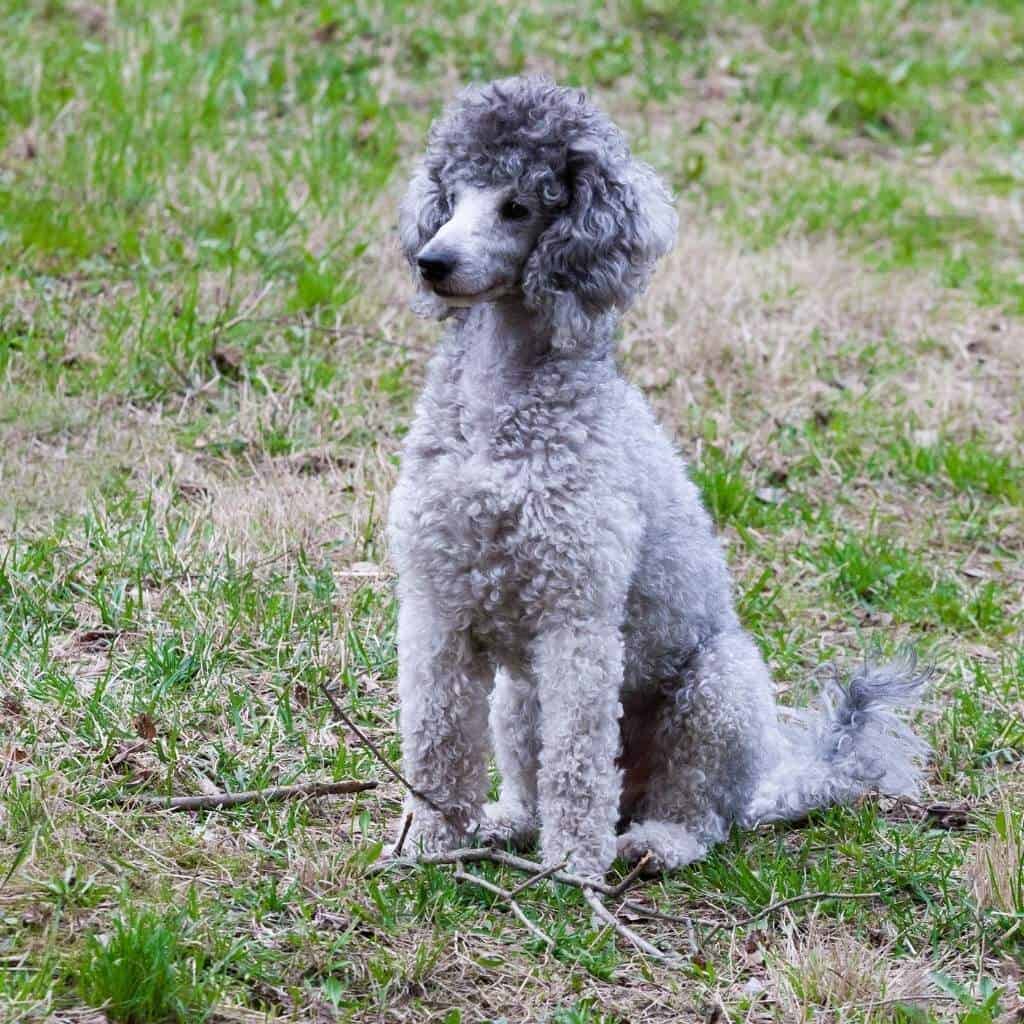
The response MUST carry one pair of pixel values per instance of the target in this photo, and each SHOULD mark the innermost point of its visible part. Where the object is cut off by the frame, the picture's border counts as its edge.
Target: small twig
(372, 747)
(659, 915)
(604, 914)
(637, 870)
(539, 877)
(484, 853)
(803, 898)
(405, 832)
(462, 875)
(216, 800)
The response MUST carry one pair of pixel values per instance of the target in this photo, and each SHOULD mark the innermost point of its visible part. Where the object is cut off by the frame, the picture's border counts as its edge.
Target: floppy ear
(421, 213)
(598, 255)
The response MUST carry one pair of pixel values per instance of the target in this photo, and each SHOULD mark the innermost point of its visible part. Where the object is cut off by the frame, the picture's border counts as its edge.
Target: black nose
(436, 268)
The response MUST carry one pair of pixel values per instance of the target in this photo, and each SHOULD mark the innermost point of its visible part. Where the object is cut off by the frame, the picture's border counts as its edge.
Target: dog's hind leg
(515, 725)
(709, 749)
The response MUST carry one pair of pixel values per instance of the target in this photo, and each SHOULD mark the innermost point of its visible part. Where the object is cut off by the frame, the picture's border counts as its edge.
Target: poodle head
(527, 187)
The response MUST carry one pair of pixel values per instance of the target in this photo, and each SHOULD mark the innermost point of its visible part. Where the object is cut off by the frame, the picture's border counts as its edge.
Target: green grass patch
(880, 573)
(145, 971)
(970, 467)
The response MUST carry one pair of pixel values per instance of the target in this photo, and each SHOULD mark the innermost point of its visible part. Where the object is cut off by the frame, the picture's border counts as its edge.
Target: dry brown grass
(778, 329)
(994, 867)
(59, 455)
(822, 971)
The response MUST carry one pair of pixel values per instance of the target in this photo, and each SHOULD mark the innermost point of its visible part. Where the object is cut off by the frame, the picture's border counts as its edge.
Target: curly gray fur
(611, 217)
(564, 601)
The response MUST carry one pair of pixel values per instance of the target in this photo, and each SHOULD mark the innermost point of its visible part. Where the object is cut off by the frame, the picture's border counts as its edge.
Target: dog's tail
(855, 743)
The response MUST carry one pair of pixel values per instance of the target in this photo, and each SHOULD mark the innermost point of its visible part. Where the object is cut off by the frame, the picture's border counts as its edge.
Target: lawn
(206, 370)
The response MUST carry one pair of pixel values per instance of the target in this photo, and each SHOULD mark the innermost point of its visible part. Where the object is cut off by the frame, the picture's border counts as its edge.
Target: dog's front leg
(443, 685)
(579, 670)
(515, 729)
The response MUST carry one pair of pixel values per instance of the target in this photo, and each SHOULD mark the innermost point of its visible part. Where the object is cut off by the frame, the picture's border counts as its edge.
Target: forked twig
(537, 872)
(461, 875)
(635, 872)
(473, 854)
(216, 800)
(589, 886)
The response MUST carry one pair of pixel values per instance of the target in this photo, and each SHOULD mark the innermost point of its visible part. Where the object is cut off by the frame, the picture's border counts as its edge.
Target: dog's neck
(507, 337)
(504, 356)
(503, 335)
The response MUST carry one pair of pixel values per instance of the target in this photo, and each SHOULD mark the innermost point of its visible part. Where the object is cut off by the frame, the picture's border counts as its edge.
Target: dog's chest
(496, 511)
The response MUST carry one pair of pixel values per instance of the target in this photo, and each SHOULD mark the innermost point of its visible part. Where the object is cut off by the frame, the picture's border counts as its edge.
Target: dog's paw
(501, 825)
(667, 846)
(632, 849)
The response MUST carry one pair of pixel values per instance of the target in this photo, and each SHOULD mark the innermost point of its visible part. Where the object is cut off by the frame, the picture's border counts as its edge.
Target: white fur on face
(488, 248)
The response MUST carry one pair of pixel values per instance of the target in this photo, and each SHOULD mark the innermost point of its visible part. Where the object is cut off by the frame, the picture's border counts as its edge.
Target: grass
(143, 971)
(207, 370)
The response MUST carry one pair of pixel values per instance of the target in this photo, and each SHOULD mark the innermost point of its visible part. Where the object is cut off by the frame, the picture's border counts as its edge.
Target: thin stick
(372, 747)
(405, 832)
(589, 886)
(463, 876)
(796, 899)
(472, 854)
(539, 877)
(216, 800)
(658, 915)
(620, 887)
(510, 860)
(602, 912)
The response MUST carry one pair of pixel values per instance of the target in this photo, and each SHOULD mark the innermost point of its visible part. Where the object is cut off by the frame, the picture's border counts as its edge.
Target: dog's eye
(511, 210)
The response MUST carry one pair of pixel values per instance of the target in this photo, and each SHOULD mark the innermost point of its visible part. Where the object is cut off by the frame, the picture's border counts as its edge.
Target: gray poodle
(563, 599)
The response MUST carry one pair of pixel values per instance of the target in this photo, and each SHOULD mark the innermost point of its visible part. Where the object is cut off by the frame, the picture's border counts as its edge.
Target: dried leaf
(96, 639)
(11, 705)
(228, 359)
(35, 915)
(192, 491)
(144, 726)
(326, 32)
